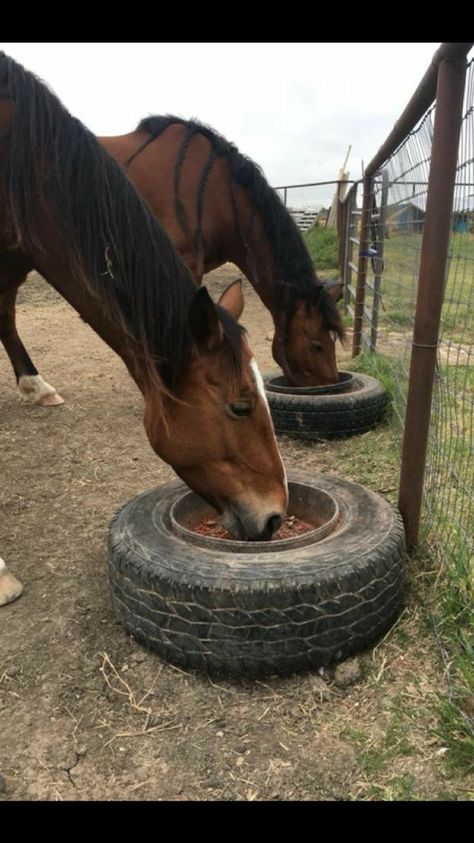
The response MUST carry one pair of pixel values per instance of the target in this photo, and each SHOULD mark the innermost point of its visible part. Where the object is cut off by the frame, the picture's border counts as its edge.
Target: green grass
(454, 624)
(448, 525)
(322, 244)
(450, 476)
(402, 253)
(388, 370)
(376, 759)
(450, 604)
(398, 789)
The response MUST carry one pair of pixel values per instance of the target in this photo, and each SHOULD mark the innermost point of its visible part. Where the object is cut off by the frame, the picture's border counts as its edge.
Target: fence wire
(311, 197)
(396, 230)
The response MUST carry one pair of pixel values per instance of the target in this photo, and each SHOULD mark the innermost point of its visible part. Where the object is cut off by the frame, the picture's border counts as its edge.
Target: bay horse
(217, 206)
(68, 211)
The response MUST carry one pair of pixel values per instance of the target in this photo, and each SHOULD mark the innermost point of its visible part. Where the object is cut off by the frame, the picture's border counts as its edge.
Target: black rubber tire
(259, 613)
(329, 416)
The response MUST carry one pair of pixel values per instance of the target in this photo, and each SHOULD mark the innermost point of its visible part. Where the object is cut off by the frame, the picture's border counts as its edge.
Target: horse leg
(10, 587)
(30, 385)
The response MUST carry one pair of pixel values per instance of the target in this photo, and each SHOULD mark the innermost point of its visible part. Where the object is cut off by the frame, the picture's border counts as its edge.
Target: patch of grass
(444, 580)
(444, 546)
(376, 758)
(322, 244)
(456, 734)
(402, 319)
(441, 572)
(357, 736)
(398, 789)
(458, 600)
(454, 623)
(390, 371)
(402, 253)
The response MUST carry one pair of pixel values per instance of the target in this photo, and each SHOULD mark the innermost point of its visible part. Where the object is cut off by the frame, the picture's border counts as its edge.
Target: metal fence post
(378, 262)
(350, 201)
(362, 265)
(434, 250)
(342, 235)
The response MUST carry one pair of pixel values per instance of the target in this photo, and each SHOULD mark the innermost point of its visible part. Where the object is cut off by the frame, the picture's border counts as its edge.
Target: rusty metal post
(350, 202)
(434, 250)
(377, 262)
(362, 265)
(341, 228)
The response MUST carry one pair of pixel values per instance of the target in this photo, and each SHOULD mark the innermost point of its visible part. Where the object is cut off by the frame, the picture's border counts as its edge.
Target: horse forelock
(330, 313)
(290, 298)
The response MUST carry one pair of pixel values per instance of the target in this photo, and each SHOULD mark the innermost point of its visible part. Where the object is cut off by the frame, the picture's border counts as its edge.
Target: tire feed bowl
(249, 608)
(353, 406)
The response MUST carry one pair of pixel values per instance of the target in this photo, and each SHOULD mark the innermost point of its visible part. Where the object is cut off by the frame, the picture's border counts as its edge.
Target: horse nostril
(274, 523)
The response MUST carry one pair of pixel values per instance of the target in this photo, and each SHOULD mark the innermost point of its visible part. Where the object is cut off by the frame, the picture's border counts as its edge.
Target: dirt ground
(85, 712)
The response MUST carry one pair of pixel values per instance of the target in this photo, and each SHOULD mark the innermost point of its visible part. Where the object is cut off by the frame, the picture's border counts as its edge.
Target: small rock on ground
(347, 673)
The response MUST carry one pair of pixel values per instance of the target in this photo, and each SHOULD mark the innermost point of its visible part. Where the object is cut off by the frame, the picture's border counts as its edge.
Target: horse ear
(204, 322)
(334, 289)
(232, 299)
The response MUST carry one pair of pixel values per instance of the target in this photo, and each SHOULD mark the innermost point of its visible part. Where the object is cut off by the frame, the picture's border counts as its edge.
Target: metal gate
(369, 244)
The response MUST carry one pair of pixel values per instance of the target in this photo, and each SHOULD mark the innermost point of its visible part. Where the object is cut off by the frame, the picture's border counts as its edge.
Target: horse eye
(315, 346)
(240, 410)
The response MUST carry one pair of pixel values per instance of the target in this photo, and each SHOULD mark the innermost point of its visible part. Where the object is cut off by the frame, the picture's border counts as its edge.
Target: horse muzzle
(244, 526)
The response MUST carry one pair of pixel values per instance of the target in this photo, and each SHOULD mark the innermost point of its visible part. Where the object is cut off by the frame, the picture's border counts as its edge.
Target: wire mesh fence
(313, 204)
(315, 197)
(394, 233)
(450, 468)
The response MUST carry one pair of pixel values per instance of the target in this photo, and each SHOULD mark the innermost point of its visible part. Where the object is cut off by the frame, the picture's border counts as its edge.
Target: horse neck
(254, 257)
(57, 272)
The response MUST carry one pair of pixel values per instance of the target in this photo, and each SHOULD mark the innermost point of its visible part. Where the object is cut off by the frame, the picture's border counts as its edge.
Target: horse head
(304, 344)
(216, 430)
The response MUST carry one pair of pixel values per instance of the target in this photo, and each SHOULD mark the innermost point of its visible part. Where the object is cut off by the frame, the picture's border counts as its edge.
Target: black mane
(56, 166)
(296, 279)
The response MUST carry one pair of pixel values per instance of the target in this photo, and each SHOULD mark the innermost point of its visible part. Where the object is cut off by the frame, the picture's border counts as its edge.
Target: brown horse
(216, 206)
(67, 210)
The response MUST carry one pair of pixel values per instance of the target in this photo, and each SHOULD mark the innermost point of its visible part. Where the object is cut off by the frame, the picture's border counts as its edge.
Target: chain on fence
(395, 235)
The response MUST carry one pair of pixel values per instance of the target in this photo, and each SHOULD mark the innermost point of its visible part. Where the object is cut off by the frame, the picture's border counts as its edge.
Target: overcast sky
(293, 108)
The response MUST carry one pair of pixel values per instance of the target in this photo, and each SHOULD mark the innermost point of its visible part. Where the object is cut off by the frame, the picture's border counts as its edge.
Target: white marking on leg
(2, 564)
(261, 391)
(35, 390)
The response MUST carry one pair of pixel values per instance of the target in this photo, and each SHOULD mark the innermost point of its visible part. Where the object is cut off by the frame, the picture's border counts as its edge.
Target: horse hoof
(53, 400)
(10, 587)
(34, 390)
